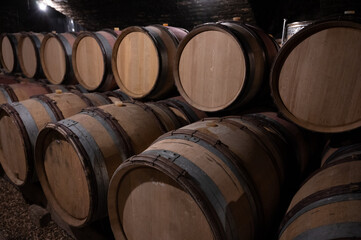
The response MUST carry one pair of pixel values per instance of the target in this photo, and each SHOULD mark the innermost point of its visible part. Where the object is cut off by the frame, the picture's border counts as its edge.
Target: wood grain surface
(17, 156)
(7, 53)
(333, 190)
(318, 83)
(143, 189)
(28, 56)
(146, 190)
(54, 60)
(141, 128)
(137, 64)
(67, 178)
(212, 70)
(11, 156)
(89, 62)
(24, 91)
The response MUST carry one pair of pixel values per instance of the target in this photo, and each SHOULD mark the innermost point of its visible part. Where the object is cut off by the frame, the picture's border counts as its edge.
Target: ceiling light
(42, 6)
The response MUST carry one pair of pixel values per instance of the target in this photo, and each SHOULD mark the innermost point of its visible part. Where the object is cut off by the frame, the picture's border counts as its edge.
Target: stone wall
(96, 14)
(23, 15)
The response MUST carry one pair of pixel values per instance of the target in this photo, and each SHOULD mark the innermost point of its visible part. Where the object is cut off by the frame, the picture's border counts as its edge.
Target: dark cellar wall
(185, 13)
(23, 15)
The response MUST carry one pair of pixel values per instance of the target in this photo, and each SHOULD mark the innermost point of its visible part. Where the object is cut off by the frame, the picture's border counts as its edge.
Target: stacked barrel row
(315, 84)
(196, 182)
(86, 57)
(222, 177)
(327, 205)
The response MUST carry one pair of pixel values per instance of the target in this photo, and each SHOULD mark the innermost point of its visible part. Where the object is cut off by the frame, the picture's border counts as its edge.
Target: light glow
(42, 6)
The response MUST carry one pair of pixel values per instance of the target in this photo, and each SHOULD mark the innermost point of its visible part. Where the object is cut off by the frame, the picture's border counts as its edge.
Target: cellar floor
(15, 222)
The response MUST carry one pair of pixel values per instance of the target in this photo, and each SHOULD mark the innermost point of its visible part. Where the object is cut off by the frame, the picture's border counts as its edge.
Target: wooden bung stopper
(212, 124)
(119, 104)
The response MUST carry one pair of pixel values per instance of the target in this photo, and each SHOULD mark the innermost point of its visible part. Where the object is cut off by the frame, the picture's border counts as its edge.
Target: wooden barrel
(170, 121)
(8, 52)
(117, 94)
(328, 205)
(333, 154)
(143, 60)
(8, 79)
(223, 65)
(91, 59)
(22, 91)
(219, 178)
(76, 87)
(78, 155)
(55, 56)
(315, 78)
(21, 122)
(183, 110)
(28, 54)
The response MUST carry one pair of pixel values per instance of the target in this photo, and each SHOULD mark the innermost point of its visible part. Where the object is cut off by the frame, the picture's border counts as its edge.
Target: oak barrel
(337, 153)
(91, 59)
(29, 56)
(21, 91)
(8, 52)
(21, 122)
(183, 110)
(76, 87)
(219, 178)
(95, 142)
(117, 94)
(328, 205)
(223, 66)
(55, 57)
(315, 78)
(8, 79)
(143, 60)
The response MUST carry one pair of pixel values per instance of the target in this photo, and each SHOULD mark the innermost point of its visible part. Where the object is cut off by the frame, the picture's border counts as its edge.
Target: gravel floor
(15, 222)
